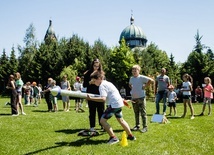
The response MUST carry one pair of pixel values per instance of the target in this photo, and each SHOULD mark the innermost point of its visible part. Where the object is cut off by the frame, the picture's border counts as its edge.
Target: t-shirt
(208, 93)
(186, 86)
(113, 98)
(19, 83)
(137, 83)
(77, 86)
(171, 96)
(162, 82)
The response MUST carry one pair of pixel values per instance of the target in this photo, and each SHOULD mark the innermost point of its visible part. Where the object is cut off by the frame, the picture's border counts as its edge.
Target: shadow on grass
(69, 131)
(5, 114)
(77, 143)
(173, 117)
(45, 111)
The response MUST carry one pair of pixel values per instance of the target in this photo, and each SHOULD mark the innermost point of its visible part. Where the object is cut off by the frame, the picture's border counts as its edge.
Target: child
(186, 90)
(35, 94)
(137, 83)
(208, 95)
(172, 96)
(111, 95)
(54, 98)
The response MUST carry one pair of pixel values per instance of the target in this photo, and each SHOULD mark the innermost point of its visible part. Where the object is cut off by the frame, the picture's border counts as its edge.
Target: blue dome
(133, 35)
(132, 32)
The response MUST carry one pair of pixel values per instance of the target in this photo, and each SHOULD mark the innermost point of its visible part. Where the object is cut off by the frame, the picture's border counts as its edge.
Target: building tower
(133, 35)
(50, 34)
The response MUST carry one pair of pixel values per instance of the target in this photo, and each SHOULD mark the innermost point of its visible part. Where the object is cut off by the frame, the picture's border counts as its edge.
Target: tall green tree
(121, 62)
(27, 54)
(13, 62)
(199, 47)
(4, 72)
(173, 71)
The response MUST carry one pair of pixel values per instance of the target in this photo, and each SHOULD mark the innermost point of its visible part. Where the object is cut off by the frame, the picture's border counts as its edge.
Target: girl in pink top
(208, 95)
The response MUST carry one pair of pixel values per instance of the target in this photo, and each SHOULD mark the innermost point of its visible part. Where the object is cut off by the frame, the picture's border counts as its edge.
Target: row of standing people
(65, 85)
(162, 87)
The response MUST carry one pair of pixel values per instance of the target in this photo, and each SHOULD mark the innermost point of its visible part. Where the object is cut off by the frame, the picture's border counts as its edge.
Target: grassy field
(48, 133)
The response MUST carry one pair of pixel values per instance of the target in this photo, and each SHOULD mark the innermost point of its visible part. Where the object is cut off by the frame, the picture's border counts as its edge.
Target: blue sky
(170, 24)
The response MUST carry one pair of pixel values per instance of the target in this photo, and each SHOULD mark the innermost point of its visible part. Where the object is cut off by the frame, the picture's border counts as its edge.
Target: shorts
(109, 112)
(187, 97)
(172, 104)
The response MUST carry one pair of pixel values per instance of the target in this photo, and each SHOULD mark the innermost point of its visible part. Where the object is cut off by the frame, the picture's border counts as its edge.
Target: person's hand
(7, 87)
(91, 82)
(88, 97)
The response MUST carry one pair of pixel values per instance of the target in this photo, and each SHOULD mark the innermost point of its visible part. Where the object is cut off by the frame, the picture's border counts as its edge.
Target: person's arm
(148, 83)
(96, 99)
(69, 86)
(12, 86)
(156, 86)
(47, 90)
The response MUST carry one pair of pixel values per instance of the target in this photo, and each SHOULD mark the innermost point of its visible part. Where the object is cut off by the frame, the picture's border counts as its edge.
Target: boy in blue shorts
(114, 101)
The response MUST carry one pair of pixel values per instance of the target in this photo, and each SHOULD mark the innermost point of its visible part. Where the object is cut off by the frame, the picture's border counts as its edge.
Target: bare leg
(125, 125)
(107, 127)
(191, 107)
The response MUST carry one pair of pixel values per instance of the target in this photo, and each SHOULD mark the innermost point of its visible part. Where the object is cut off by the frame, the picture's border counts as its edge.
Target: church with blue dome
(134, 36)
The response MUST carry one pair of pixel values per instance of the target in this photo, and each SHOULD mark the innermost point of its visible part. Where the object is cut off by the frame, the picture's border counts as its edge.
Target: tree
(27, 54)
(199, 46)
(173, 71)
(13, 62)
(4, 73)
(121, 62)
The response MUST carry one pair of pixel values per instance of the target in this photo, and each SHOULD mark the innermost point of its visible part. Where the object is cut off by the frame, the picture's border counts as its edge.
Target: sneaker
(113, 140)
(209, 114)
(136, 128)
(131, 137)
(201, 114)
(15, 115)
(144, 130)
(92, 130)
(23, 113)
(192, 117)
(164, 113)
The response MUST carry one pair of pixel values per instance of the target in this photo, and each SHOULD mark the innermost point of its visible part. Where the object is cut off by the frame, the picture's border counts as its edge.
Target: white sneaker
(144, 130)
(15, 115)
(23, 113)
(113, 140)
(192, 117)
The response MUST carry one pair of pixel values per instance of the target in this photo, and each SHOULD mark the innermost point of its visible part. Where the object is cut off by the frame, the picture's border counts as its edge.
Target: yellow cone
(124, 141)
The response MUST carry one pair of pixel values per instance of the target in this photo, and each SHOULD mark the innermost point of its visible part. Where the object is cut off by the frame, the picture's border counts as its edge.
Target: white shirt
(113, 98)
(186, 86)
(171, 96)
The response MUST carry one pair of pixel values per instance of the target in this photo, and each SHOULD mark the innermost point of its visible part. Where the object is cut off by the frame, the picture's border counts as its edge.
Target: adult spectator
(65, 85)
(12, 88)
(48, 96)
(161, 89)
(92, 88)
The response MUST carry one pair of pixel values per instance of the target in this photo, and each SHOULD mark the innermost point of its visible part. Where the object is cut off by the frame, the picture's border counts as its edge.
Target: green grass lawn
(48, 133)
